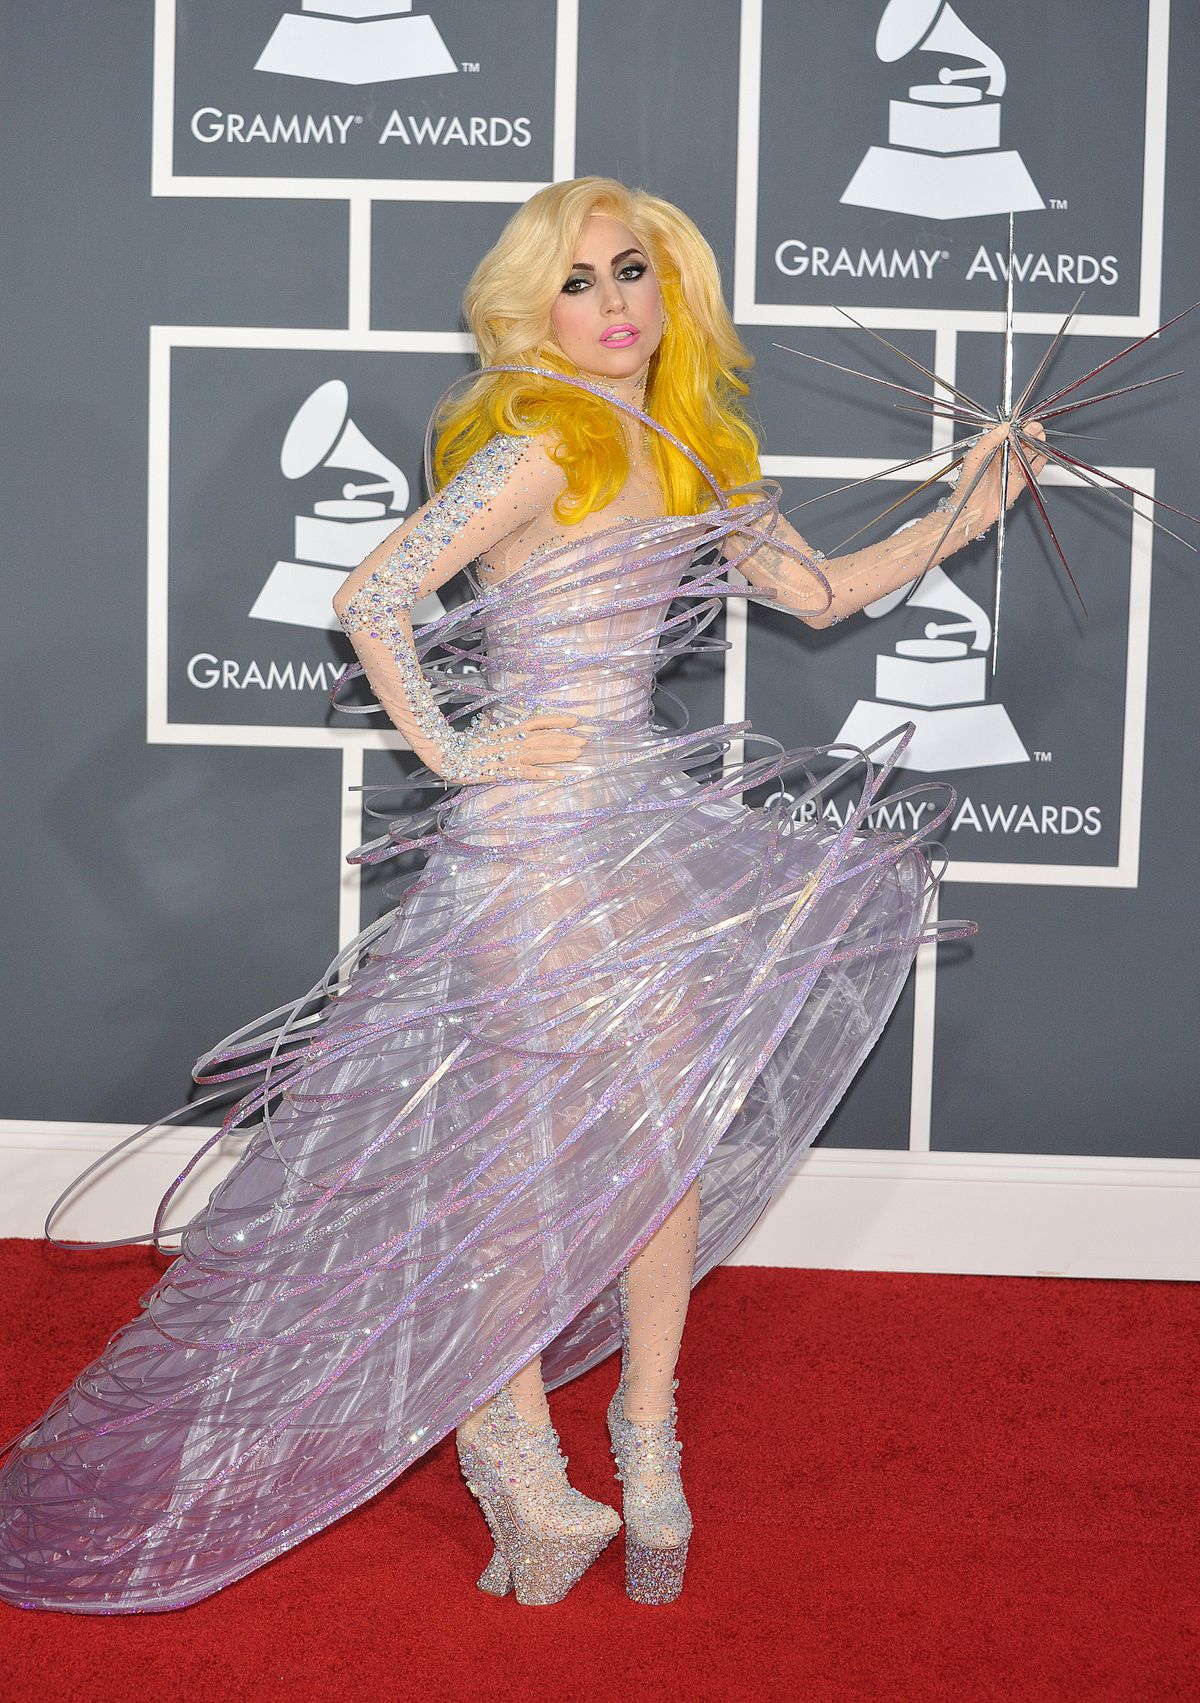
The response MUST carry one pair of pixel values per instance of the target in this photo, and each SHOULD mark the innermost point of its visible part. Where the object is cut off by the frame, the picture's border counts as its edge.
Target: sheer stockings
(528, 1397)
(657, 1286)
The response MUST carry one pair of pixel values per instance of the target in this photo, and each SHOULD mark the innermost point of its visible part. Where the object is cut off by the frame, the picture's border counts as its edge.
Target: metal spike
(944, 411)
(1119, 356)
(929, 374)
(1035, 493)
(1085, 472)
(1007, 386)
(870, 478)
(872, 378)
(908, 496)
(1183, 514)
(1061, 431)
(1001, 521)
(1046, 358)
(1018, 420)
(1103, 396)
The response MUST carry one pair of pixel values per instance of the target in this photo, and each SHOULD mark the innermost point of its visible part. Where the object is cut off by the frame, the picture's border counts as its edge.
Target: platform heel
(658, 1521)
(546, 1533)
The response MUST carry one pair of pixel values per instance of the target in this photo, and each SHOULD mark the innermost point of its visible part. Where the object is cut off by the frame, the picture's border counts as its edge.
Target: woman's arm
(502, 488)
(872, 572)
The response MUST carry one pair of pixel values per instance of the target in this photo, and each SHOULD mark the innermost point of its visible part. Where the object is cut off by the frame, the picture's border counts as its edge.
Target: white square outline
(165, 181)
(1123, 873)
(164, 339)
(748, 310)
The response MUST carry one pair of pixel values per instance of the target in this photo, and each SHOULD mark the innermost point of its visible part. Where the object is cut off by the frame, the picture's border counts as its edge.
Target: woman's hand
(529, 750)
(983, 505)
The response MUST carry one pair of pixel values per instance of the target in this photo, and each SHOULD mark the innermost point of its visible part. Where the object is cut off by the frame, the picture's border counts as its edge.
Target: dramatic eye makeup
(629, 265)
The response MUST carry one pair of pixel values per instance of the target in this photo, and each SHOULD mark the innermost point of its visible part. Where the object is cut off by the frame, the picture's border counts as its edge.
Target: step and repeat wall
(236, 240)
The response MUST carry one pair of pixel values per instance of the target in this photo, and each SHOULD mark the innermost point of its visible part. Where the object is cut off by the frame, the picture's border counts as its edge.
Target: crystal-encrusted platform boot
(547, 1533)
(658, 1522)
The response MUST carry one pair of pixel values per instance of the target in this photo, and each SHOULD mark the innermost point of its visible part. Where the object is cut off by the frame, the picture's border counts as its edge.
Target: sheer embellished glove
(503, 486)
(529, 750)
(873, 572)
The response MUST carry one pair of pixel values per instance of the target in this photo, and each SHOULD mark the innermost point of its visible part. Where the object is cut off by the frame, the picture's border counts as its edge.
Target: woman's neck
(631, 390)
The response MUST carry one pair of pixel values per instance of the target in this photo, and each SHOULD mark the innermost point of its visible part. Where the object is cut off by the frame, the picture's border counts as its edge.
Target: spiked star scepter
(1019, 441)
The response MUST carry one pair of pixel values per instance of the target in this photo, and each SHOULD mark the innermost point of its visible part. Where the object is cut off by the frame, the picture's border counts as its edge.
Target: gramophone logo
(943, 158)
(334, 534)
(938, 681)
(354, 41)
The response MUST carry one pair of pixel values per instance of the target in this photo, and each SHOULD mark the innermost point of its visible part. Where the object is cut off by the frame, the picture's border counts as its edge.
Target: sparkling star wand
(1018, 441)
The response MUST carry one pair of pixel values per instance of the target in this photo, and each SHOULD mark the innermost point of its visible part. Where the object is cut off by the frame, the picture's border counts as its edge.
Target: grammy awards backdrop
(236, 239)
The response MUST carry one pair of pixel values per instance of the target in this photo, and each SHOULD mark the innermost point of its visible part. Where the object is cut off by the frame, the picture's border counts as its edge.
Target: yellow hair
(693, 385)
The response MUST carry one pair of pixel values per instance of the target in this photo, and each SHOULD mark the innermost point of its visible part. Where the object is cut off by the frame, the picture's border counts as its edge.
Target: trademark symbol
(358, 118)
(1059, 203)
(1043, 756)
(471, 65)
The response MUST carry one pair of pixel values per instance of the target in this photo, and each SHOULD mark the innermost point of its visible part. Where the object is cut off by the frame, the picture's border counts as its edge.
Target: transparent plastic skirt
(594, 990)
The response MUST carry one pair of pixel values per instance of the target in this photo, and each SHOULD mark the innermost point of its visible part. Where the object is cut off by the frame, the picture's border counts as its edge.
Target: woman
(479, 1166)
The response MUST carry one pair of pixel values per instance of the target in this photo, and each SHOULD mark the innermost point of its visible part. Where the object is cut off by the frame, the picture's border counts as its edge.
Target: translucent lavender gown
(595, 990)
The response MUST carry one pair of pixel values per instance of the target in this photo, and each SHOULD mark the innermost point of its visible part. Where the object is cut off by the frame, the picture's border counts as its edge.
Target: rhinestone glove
(502, 488)
(872, 572)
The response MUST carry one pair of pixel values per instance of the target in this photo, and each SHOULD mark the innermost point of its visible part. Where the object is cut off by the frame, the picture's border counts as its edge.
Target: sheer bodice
(567, 631)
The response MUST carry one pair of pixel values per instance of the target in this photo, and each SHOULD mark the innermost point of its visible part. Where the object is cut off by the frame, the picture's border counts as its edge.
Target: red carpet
(905, 1487)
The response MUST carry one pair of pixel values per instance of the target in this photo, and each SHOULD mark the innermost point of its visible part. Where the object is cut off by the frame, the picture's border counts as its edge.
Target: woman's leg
(528, 1395)
(658, 1283)
(641, 1416)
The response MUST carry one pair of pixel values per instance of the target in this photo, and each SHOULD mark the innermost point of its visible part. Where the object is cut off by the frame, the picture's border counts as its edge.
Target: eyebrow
(586, 265)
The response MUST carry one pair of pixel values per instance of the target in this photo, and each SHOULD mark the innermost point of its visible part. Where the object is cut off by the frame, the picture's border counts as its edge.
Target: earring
(666, 319)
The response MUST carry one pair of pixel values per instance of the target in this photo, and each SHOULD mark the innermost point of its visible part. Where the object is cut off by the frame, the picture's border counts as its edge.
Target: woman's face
(607, 318)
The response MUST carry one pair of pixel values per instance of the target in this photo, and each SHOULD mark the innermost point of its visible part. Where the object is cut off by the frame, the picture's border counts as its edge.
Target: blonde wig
(693, 385)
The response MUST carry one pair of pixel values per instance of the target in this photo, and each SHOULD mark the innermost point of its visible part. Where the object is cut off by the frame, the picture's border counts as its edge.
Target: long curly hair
(693, 386)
